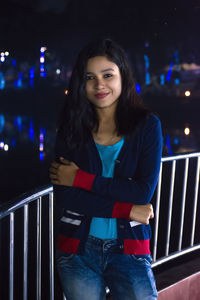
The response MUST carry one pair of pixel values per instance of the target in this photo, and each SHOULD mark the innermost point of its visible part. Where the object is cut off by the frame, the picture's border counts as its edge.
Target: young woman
(108, 153)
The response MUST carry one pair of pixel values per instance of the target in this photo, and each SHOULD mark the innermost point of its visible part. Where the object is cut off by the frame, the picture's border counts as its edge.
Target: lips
(101, 96)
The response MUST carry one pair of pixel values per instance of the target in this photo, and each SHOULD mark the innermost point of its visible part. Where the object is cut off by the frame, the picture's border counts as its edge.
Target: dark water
(26, 114)
(21, 168)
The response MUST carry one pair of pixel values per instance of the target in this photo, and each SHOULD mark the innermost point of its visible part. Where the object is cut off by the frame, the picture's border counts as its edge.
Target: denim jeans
(86, 276)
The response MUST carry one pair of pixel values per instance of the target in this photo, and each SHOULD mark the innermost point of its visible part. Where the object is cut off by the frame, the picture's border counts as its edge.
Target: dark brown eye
(89, 77)
(108, 75)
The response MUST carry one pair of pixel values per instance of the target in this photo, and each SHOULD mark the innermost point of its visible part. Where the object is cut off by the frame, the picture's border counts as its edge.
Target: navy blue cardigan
(92, 195)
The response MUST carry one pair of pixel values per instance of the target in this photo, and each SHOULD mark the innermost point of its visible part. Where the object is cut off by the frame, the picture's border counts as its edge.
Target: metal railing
(9, 211)
(46, 194)
(180, 214)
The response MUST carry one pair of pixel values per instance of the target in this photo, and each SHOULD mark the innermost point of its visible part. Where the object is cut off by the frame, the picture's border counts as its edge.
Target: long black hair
(78, 118)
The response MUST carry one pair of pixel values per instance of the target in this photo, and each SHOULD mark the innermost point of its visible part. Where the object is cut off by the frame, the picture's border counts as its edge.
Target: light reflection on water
(27, 149)
(19, 131)
(22, 130)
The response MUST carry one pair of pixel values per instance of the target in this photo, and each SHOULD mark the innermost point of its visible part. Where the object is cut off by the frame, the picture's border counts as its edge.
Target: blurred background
(39, 42)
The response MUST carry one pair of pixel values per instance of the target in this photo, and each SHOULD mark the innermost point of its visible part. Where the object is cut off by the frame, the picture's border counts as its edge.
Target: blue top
(105, 228)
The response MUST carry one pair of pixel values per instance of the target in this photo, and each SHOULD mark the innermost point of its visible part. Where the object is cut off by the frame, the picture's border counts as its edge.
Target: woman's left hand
(63, 173)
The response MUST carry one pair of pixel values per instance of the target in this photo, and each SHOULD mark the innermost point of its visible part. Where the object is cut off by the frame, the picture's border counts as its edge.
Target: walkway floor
(173, 274)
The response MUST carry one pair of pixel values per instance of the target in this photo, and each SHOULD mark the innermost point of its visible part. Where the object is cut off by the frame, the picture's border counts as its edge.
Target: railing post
(38, 273)
(25, 289)
(11, 275)
(170, 207)
(157, 213)
(64, 298)
(183, 203)
(195, 202)
(51, 245)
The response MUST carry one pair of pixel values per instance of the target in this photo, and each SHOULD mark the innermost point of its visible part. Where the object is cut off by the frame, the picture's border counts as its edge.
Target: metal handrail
(9, 209)
(22, 202)
(23, 199)
(167, 257)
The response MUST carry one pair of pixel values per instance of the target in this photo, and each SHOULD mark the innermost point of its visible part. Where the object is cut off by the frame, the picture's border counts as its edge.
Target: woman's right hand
(142, 213)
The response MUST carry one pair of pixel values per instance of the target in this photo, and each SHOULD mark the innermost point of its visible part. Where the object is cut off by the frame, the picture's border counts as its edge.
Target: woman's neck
(106, 133)
(106, 118)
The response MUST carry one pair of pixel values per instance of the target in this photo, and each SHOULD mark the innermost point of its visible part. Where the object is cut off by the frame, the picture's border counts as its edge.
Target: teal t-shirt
(105, 228)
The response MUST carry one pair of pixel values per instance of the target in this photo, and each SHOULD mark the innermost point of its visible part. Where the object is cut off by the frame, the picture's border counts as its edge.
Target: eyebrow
(105, 70)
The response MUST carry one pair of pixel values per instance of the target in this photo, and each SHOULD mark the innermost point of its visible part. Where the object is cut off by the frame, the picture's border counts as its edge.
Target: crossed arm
(112, 197)
(64, 174)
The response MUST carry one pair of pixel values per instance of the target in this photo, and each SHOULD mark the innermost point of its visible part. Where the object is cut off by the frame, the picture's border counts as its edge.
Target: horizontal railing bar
(181, 156)
(174, 255)
(8, 208)
(23, 199)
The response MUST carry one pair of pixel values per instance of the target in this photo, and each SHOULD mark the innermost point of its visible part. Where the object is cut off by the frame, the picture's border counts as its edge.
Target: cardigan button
(130, 178)
(117, 161)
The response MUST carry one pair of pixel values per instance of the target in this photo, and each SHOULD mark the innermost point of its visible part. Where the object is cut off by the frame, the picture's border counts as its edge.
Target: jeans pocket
(62, 257)
(142, 259)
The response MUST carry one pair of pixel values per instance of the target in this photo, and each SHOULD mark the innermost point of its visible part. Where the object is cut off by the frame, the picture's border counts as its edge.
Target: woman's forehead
(100, 63)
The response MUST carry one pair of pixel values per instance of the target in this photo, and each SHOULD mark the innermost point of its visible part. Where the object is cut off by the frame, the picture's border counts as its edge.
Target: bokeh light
(6, 147)
(187, 93)
(187, 130)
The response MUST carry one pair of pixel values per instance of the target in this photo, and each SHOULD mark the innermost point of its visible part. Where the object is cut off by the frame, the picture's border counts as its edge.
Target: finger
(53, 176)
(152, 213)
(151, 216)
(53, 170)
(150, 206)
(55, 164)
(64, 161)
(54, 181)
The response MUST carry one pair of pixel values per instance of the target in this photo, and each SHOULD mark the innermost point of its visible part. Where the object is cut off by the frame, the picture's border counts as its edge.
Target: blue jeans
(86, 276)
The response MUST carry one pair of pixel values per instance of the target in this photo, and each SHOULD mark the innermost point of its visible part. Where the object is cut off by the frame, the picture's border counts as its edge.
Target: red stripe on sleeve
(83, 180)
(67, 244)
(122, 210)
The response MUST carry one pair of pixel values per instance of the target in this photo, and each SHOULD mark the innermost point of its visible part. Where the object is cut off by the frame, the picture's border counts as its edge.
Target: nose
(99, 84)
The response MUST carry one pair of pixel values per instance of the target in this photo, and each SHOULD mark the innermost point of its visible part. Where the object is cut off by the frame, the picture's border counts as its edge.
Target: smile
(101, 96)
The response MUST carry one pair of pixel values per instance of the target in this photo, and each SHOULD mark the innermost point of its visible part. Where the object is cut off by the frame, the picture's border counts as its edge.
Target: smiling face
(103, 82)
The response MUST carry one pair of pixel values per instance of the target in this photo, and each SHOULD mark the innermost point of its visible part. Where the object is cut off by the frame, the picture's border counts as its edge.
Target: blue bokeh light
(31, 130)
(169, 71)
(162, 79)
(138, 88)
(168, 143)
(2, 122)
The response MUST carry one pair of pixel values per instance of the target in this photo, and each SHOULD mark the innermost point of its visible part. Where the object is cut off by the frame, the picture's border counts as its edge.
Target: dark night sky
(66, 25)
